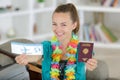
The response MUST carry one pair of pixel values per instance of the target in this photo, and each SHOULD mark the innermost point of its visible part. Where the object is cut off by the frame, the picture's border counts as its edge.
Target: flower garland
(57, 54)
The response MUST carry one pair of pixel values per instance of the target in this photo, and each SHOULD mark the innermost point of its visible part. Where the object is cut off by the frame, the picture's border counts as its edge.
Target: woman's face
(62, 25)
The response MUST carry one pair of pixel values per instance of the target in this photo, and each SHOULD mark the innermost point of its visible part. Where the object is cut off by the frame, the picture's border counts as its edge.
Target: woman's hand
(22, 59)
(91, 64)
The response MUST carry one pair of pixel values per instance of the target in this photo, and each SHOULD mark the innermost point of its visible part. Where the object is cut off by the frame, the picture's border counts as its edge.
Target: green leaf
(40, 0)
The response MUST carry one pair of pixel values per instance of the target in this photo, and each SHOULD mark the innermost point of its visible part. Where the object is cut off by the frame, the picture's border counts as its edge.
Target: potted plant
(41, 3)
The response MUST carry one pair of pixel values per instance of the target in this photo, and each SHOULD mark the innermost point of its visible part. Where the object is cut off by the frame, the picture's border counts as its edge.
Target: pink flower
(55, 66)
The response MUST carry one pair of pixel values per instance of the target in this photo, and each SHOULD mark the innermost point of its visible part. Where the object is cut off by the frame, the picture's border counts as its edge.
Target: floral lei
(57, 54)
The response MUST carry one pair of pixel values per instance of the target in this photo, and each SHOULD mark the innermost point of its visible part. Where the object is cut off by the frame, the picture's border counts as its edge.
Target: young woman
(60, 56)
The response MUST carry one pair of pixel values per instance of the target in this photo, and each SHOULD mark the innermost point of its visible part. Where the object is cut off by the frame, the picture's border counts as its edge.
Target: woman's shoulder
(46, 43)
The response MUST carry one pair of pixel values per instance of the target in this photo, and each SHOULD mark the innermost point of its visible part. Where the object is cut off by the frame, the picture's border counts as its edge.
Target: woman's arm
(25, 59)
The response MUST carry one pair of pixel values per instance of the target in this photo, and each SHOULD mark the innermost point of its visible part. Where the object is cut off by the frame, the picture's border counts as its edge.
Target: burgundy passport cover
(85, 50)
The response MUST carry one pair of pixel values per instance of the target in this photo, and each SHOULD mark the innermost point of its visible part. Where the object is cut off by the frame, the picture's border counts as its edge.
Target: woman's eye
(63, 25)
(54, 24)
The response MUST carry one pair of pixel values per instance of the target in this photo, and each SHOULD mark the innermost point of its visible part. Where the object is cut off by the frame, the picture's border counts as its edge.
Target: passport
(85, 50)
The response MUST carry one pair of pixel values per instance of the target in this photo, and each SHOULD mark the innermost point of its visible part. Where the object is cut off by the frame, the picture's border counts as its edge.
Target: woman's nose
(58, 28)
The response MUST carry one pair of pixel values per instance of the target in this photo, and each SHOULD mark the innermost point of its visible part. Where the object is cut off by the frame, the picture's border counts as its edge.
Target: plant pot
(41, 5)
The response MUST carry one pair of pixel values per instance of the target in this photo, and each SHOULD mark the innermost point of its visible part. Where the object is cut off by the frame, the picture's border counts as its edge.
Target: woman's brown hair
(73, 13)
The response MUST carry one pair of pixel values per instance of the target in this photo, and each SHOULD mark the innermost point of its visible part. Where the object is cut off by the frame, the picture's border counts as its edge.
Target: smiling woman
(60, 57)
